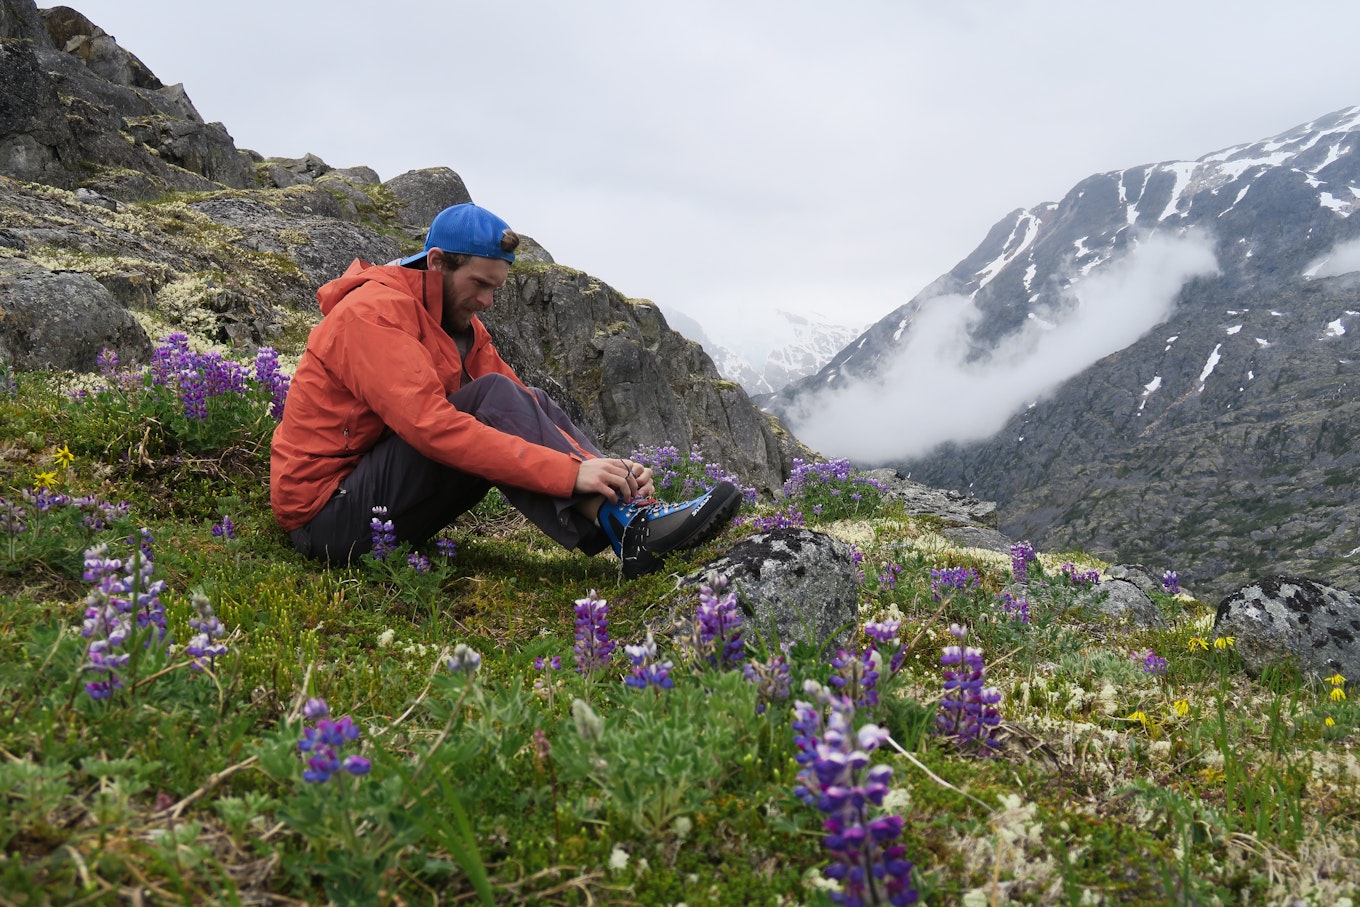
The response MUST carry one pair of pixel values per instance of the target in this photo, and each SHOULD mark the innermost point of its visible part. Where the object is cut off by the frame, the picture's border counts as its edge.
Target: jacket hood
(422, 285)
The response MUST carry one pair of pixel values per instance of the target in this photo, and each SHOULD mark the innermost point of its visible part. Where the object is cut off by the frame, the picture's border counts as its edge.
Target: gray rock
(950, 505)
(793, 585)
(322, 246)
(357, 176)
(421, 194)
(978, 537)
(22, 20)
(1124, 602)
(1281, 619)
(62, 320)
(1137, 574)
(632, 380)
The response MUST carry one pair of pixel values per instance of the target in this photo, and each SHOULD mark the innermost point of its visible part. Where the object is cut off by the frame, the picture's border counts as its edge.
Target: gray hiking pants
(422, 496)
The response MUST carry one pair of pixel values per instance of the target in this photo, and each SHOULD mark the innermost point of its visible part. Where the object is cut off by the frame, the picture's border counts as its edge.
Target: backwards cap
(466, 230)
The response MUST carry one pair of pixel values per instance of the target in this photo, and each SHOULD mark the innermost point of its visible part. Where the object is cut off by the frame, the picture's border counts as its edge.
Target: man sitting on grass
(400, 400)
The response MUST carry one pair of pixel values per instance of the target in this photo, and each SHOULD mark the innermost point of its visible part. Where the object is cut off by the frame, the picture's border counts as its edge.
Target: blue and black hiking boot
(644, 531)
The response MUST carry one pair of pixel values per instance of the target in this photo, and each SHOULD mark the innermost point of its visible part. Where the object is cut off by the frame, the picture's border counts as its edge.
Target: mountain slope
(1175, 348)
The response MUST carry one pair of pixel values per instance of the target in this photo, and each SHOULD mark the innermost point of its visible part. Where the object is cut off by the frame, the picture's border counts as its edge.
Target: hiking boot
(646, 530)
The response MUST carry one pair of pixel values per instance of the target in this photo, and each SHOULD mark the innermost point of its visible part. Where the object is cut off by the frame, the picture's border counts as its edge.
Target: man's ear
(435, 255)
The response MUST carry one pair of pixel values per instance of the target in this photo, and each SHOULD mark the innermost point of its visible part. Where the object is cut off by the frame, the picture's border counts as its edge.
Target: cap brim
(412, 259)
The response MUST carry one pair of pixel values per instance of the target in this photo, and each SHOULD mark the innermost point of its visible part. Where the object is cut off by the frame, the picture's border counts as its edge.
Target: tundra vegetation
(192, 713)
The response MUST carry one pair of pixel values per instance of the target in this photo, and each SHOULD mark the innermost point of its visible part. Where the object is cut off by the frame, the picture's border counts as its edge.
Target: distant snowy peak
(1262, 204)
(794, 346)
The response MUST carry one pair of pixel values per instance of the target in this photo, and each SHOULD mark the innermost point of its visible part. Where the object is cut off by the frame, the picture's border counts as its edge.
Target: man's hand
(614, 478)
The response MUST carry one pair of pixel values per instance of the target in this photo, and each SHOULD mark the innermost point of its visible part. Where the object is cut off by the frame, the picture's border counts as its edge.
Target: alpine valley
(1171, 351)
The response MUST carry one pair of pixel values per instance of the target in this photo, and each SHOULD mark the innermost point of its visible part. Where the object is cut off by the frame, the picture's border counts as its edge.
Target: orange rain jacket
(379, 363)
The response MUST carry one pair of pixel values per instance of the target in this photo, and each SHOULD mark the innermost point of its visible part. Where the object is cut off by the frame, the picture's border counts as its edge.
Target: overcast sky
(726, 159)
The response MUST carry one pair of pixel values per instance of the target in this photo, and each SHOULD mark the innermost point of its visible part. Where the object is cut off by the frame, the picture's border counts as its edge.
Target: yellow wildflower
(64, 457)
(1336, 679)
(44, 480)
(1338, 694)
(1198, 642)
(1181, 707)
(1329, 721)
(1224, 642)
(1140, 716)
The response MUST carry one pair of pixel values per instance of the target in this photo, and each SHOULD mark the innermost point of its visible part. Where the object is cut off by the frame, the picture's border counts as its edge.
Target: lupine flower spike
(1022, 555)
(384, 533)
(204, 646)
(715, 635)
(967, 714)
(648, 669)
(593, 647)
(838, 780)
(322, 744)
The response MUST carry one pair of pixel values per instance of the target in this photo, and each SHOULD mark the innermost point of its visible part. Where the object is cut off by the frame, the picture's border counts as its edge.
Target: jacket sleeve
(378, 355)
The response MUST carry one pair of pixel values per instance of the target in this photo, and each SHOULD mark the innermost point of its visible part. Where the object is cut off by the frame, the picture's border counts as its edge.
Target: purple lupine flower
(1152, 662)
(1016, 608)
(204, 646)
(465, 660)
(323, 742)
(419, 562)
(967, 714)
(170, 358)
(887, 580)
(593, 646)
(1171, 583)
(447, 548)
(789, 518)
(836, 778)
(950, 580)
(550, 664)
(648, 669)
(225, 530)
(269, 375)
(124, 599)
(315, 708)
(883, 638)
(107, 360)
(1085, 578)
(384, 534)
(857, 559)
(193, 396)
(12, 518)
(772, 680)
(1022, 555)
(715, 633)
(855, 676)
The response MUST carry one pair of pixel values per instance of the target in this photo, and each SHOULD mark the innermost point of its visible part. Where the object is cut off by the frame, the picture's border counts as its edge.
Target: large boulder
(421, 194)
(1287, 619)
(792, 585)
(62, 320)
(1124, 602)
(635, 382)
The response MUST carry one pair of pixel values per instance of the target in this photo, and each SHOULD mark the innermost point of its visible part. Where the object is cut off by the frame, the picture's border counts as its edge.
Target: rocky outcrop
(98, 249)
(78, 110)
(1285, 620)
(62, 320)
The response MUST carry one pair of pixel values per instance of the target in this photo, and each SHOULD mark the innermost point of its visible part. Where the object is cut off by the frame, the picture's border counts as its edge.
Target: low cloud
(931, 394)
(1343, 259)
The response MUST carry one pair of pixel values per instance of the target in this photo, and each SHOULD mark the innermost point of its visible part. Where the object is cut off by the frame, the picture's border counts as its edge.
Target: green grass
(1111, 785)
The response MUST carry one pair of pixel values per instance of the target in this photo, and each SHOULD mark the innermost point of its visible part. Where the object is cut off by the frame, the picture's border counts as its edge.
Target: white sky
(726, 159)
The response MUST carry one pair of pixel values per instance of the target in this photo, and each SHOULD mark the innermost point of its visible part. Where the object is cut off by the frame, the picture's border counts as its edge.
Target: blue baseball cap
(466, 230)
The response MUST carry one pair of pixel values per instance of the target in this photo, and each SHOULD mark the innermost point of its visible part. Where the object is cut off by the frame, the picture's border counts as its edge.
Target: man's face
(471, 289)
